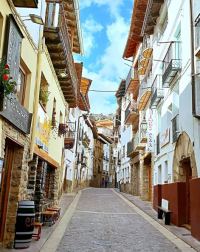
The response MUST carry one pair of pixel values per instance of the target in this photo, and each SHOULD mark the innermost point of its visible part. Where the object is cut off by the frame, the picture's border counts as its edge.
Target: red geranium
(5, 76)
(54, 113)
(7, 66)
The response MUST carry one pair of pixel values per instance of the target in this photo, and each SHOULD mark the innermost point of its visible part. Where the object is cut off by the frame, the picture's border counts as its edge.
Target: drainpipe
(192, 60)
(36, 94)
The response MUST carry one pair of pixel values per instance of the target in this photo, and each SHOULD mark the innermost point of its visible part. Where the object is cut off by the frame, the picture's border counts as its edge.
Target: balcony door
(5, 186)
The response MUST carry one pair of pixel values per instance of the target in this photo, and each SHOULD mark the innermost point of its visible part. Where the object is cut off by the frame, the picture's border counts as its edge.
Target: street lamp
(143, 125)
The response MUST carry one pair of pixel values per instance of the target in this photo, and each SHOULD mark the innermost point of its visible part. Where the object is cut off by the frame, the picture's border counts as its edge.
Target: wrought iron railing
(130, 147)
(147, 42)
(131, 108)
(175, 128)
(133, 74)
(54, 19)
(172, 61)
(156, 90)
(158, 143)
(145, 86)
(197, 36)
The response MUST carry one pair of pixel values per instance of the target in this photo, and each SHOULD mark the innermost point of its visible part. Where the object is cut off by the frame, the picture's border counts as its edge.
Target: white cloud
(112, 4)
(89, 28)
(112, 67)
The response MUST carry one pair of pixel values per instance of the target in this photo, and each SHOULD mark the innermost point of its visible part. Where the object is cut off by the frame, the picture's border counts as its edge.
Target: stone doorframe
(183, 151)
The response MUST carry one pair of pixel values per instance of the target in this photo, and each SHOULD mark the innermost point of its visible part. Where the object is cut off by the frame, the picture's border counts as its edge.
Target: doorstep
(180, 232)
(36, 246)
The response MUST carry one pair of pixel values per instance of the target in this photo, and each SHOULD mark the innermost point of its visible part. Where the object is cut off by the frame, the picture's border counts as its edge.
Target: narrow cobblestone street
(104, 221)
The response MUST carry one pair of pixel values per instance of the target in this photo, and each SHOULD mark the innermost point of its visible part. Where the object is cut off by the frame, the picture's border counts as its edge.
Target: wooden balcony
(68, 132)
(59, 46)
(151, 15)
(26, 3)
(157, 93)
(147, 47)
(138, 145)
(132, 82)
(143, 136)
(131, 152)
(131, 113)
(171, 63)
(144, 93)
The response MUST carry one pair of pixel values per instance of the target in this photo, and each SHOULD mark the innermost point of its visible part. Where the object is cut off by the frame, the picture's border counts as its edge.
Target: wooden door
(138, 180)
(65, 180)
(188, 177)
(5, 186)
(149, 182)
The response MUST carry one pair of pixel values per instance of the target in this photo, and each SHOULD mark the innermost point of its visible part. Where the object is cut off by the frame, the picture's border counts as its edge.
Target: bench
(164, 210)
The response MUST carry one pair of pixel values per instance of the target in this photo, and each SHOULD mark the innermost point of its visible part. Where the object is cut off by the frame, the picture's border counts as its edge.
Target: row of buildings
(48, 143)
(156, 127)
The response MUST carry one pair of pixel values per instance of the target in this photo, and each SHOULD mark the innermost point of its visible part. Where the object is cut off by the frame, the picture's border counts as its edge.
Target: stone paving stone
(114, 227)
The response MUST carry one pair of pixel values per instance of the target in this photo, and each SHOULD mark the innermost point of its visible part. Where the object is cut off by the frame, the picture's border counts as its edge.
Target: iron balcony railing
(137, 138)
(130, 147)
(117, 120)
(196, 9)
(171, 63)
(55, 18)
(131, 108)
(133, 74)
(145, 86)
(158, 143)
(175, 128)
(147, 43)
(156, 91)
(197, 36)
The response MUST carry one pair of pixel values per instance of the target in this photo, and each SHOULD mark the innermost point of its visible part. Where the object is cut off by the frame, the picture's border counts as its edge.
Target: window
(44, 93)
(21, 85)
(123, 155)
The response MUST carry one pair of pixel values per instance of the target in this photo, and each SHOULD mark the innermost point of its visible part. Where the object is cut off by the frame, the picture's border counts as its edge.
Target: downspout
(36, 94)
(192, 59)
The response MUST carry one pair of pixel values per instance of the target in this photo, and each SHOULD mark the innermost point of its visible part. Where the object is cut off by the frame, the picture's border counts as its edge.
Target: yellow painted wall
(29, 62)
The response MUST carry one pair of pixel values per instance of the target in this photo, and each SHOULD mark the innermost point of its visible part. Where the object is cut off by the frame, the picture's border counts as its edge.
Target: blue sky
(105, 27)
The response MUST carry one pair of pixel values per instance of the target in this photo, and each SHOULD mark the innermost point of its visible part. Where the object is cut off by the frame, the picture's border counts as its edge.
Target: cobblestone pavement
(104, 222)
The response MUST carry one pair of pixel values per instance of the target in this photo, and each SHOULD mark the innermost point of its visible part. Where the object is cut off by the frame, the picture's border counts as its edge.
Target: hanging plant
(43, 95)
(7, 86)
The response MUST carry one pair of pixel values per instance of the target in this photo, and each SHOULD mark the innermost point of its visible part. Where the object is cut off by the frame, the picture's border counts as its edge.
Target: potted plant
(44, 94)
(7, 86)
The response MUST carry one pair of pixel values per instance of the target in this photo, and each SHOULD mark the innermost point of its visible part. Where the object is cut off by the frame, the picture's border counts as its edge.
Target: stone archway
(184, 151)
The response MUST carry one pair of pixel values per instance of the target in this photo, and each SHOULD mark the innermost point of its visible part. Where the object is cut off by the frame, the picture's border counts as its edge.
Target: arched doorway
(184, 166)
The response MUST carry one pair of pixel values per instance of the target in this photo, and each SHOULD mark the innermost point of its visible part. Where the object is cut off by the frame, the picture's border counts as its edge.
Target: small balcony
(84, 162)
(68, 132)
(144, 93)
(138, 145)
(157, 93)
(158, 143)
(117, 120)
(171, 63)
(26, 3)
(143, 136)
(86, 141)
(142, 65)
(132, 81)
(106, 173)
(59, 46)
(131, 113)
(131, 152)
(119, 161)
(147, 47)
(197, 40)
(175, 128)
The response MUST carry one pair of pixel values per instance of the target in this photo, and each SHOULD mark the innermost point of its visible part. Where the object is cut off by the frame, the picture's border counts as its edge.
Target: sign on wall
(164, 138)
(43, 128)
(150, 136)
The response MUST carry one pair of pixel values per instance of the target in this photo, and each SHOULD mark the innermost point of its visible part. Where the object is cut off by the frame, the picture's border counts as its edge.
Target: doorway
(5, 185)
(188, 178)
